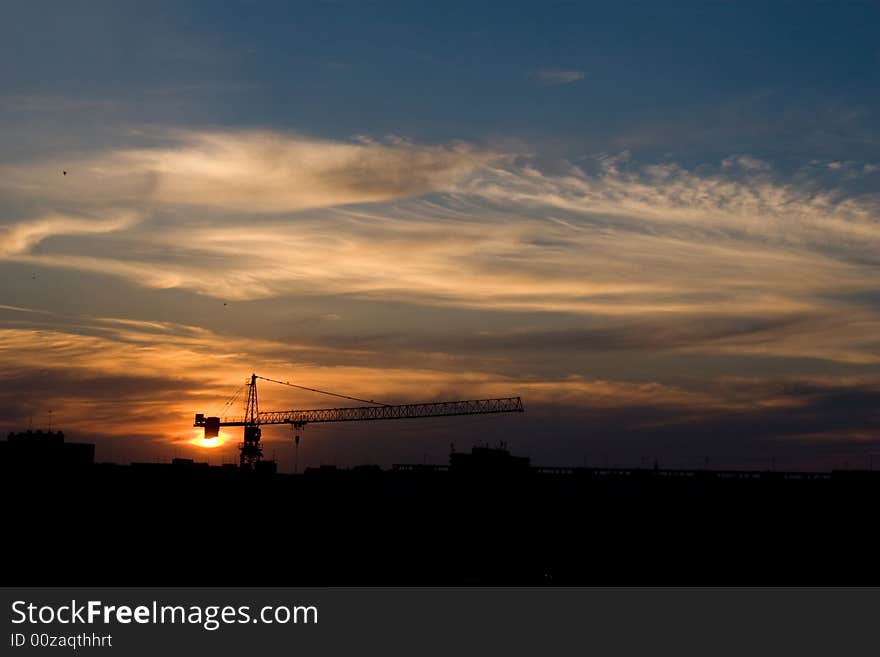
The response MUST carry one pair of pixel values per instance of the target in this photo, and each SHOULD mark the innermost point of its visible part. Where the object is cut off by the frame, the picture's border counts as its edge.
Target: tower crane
(251, 448)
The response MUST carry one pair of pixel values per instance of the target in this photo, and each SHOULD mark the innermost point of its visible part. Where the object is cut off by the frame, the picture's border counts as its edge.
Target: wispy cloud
(610, 238)
(252, 172)
(557, 76)
(21, 237)
(611, 259)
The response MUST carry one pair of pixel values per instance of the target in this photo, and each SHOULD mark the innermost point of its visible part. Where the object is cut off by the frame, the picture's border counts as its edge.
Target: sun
(209, 443)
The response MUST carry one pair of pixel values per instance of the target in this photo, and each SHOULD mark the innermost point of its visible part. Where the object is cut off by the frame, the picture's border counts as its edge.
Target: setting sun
(209, 443)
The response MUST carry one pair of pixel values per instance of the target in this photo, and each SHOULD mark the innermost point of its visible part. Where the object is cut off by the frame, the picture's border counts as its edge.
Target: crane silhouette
(251, 450)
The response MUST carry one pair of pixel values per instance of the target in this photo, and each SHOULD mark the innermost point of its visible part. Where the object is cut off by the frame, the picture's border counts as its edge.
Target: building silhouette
(486, 517)
(34, 450)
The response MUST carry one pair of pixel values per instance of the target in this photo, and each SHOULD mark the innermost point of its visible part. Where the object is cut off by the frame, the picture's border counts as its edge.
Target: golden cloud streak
(252, 172)
(627, 244)
(202, 367)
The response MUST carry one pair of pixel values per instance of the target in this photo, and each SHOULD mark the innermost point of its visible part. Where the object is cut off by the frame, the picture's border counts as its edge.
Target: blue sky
(696, 79)
(656, 220)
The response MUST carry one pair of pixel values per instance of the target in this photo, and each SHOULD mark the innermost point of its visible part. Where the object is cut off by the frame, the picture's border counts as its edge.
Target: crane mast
(251, 448)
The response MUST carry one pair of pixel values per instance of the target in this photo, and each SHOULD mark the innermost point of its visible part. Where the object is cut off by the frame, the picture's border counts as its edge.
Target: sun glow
(209, 443)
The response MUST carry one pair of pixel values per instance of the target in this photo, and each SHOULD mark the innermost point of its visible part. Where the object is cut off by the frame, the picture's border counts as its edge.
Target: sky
(657, 223)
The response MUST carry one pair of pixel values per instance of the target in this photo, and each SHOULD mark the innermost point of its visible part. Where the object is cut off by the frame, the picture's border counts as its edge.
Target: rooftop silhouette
(38, 449)
(485, 517)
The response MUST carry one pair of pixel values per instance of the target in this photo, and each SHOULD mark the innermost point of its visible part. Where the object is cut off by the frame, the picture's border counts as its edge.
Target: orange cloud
(20, 237)
(251, 172)
(148, 379)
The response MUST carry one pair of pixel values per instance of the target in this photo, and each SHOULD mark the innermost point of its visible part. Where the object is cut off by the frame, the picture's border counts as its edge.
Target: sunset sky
(658, 225)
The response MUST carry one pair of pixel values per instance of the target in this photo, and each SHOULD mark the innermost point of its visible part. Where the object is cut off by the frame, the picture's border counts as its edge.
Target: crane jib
(251, 449)
(361, 413)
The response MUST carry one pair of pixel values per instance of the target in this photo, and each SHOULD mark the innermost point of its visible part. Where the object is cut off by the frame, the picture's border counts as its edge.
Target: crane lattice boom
(387, 412)
(252, 450)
